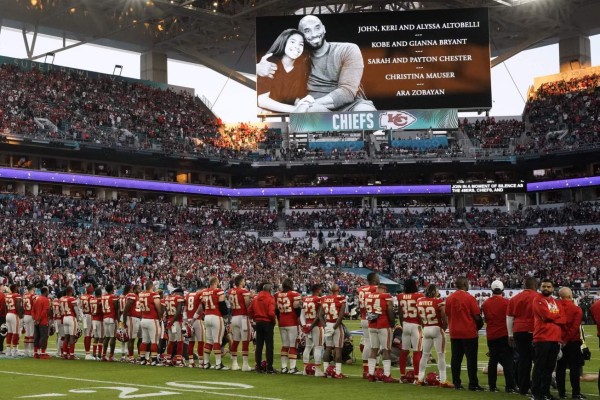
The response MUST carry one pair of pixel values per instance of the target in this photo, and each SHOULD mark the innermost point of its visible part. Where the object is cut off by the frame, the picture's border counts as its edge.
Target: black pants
(461, 348)
(524, 345)
(264, 337)
(573, 360)
(500, 353)
(2, 321)
(40, 336)
(545, 361)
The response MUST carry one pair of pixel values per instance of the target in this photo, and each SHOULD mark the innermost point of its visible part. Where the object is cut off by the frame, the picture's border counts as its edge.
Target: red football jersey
(108, 306)
(85, 303)
(333, 305)
(147, 306)
(311, 305)
(172, 301)
(237, 299)
(378, 303)
(134, 311)
(56, 309)
(408, 303)
(429, 311)
(67, 306)
(210, 301)
(362, 292)
(11, 302)
(96, 309)
(284, 301)
(122, 302)
(28, 300)
(192, 302)
(494, 310)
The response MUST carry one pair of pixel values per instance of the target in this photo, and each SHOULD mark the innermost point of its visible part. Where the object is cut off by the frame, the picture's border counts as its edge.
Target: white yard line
(170, 388)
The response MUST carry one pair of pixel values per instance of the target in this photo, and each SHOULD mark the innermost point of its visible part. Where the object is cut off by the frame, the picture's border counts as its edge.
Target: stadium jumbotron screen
(434, 59)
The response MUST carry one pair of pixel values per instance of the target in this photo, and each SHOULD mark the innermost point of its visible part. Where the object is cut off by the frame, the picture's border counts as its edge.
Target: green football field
(29, 378)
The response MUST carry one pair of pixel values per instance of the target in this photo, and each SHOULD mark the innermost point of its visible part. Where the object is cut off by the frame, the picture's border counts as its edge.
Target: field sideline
(29, 378)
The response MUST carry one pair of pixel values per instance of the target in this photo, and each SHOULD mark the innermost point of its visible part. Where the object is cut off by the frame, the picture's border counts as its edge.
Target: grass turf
(29, 378)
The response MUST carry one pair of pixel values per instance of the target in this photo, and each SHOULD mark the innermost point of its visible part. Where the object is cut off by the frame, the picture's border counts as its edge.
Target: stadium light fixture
(49, 55)
(118, 67)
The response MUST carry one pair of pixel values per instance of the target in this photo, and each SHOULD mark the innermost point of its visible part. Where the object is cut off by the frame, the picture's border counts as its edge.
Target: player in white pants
(434, 336)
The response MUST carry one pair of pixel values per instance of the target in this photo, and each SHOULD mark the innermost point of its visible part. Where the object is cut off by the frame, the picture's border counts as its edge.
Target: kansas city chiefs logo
(396, 120)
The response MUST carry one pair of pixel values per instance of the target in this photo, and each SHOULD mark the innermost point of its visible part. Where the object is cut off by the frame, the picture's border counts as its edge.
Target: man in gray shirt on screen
(334, 82)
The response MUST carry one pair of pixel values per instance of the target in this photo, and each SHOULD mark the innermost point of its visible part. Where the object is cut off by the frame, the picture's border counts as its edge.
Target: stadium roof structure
(220, 33)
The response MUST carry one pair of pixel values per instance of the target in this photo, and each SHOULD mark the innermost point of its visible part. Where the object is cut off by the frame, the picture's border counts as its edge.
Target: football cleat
(246, 368)
(89, 357)
(235, 366)
(284, 370)
(371, 378)
(221, 367)
(293, 371)
(207, 365)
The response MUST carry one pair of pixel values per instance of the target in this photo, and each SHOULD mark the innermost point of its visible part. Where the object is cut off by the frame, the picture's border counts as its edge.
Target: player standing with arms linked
(381, 317)
(412, 335)
(288, 308)
(333, 307)
(132, 319)
(152, 312)
(239, 299)
(432, 312)
(70, 314)
(465, 321)
(313, 322)
(110, 313)
(97, 324)
(174, 305)
(14, 314)
(215, 308)
(58, 325)
(41, 314)
(84, 300)
(362, 291)
(193, 317)
(28, 300)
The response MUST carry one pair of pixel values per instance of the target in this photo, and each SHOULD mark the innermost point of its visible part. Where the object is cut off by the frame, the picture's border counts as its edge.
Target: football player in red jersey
(381, 317)
(239, 299)
(58, 325)
(174, 305)
(333, 308)
(119, 323)
(97, 323)
(14, 313)
(214, 307)
(71, 313)
(288, 305)
(432, 312)
(132, 318)
(193, 306)
(412, 335)
(362, 291)
(28, 323)
(312, 325)
(152, 312)
(84, 299)
(110, 312)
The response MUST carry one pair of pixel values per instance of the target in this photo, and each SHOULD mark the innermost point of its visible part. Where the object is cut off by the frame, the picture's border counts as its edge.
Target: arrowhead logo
(396, 120)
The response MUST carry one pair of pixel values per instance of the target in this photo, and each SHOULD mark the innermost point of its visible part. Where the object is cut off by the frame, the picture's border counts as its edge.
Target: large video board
(406, 60)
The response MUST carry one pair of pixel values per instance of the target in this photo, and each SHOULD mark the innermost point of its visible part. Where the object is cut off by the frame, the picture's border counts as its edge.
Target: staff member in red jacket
(262, 311)
(548, 319)
(2, 310)
(41, 313)
(571, 350)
